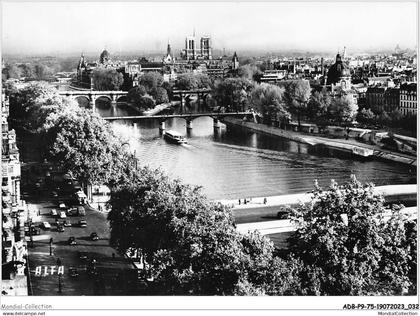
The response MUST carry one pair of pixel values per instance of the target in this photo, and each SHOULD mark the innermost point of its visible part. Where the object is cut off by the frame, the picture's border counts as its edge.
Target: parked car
(82, 223)
(46, 225)
(60, 228)
(63, 214)
(54, 194)
(72, 241)
(61, 205)
(94, 236)
(73, 272)
(81, 211)
(53, 212)
(66, 223)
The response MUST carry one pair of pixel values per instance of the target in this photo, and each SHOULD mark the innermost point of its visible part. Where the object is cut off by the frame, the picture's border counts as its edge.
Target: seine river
(238, 163)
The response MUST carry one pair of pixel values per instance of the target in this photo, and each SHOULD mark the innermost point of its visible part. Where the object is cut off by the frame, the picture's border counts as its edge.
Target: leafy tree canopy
(353, 244)
(107, 79)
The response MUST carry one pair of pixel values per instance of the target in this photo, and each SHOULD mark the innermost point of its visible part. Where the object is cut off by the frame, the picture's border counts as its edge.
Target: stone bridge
(183, 94)
(91, 96)
(187, 116)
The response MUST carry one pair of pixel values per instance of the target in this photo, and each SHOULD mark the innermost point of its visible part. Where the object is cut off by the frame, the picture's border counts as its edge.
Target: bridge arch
(82, 100)
(121, 98)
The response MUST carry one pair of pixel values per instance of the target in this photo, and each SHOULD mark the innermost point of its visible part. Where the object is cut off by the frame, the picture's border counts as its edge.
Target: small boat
(175, 137)
(362, 152)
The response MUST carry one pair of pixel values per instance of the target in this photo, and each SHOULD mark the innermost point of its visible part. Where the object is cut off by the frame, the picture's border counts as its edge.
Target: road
(116, 275)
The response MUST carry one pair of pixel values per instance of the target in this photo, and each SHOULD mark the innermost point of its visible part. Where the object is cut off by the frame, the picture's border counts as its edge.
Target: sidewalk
(289, 199)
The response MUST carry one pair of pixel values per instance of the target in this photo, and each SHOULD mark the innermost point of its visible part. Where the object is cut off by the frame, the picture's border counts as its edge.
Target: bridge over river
(187, 116)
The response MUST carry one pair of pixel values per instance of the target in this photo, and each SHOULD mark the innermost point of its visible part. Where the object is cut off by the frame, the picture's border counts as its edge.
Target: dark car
(60, 228)
(283, 214)
(73, 272)
(72, 241)
(94, 236)
(82, 223)
(66, 223)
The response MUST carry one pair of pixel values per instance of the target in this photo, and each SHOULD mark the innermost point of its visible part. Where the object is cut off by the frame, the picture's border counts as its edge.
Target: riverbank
(346, 145)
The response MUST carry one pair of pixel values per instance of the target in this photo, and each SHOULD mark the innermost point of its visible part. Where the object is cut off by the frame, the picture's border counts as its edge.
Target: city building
(192, 52)
(408, 98)
(339, 75)
(13, 208)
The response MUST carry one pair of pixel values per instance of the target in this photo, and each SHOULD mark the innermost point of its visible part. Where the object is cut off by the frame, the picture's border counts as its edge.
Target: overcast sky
(50, 27)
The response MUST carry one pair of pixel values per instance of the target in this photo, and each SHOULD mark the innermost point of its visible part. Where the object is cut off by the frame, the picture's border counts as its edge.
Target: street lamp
(59, 283)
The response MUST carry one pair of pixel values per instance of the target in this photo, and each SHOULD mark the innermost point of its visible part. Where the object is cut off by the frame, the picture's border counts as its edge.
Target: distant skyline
(66, 28)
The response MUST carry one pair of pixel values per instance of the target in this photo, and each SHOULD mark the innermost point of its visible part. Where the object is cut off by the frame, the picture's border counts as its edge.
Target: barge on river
(175, 137)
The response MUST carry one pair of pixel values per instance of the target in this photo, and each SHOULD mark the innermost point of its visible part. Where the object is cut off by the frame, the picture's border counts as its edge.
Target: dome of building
(104, 57)
(337, 71)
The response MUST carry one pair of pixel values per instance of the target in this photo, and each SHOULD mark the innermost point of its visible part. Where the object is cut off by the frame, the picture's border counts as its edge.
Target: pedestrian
(265, 200)
(239, 201)
(113, 255)
(244, 201)
(58, 262)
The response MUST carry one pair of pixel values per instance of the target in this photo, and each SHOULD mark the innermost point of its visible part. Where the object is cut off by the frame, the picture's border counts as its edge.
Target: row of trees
(393, 119)
(281, 101)
(39, 70)
(343, 243)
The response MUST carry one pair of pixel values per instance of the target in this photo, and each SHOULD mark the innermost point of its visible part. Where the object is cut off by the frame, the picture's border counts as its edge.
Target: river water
(236, 163)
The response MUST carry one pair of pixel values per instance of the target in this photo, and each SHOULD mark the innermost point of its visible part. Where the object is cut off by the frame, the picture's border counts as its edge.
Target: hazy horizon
(70, 28)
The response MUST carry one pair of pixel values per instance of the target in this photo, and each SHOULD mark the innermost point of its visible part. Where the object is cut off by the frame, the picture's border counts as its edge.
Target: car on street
(72, 241)
(283, 214)
(83, 255)
(60, 228)
(72, 211)
(81, 211)
(61, 205)
(46, 225)
(94, 236)
(53, 212)
(54, 194)
(82, 223)
(67, 223)
(32, 231)
(73, 272)
(63, 214)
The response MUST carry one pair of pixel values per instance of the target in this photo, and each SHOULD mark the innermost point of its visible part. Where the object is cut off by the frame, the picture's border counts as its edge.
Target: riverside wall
(342, 145)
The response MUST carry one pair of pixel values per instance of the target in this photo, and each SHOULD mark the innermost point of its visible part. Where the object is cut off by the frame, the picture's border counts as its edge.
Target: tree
(135, 94)
(297, 96)
(42, 71)
(268, 99)
(344, 236)
(344, 108)
(151, 81)
(192, 81)
(366, 116)
(247, 71)
(160, 95)
(318, 105)
(30, 105)
(106, 79)
(233, 93)
(190, 244)
(84, 145)
(11, 71)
